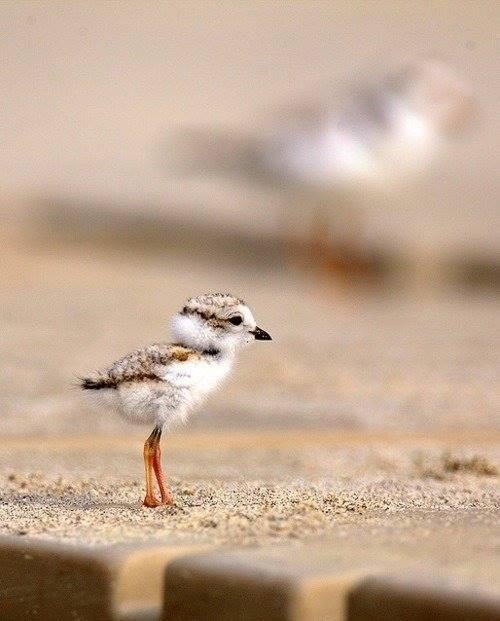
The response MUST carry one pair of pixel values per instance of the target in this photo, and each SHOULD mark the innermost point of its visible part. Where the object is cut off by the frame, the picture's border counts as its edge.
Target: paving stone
(443, 576)
(272, 585)
(412, 599)
(50, 581)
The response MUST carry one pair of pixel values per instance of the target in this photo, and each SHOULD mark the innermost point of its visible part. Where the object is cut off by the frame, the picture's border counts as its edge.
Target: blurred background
(333, 163)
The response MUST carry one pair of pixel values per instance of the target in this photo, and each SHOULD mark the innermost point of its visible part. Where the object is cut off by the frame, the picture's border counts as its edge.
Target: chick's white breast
(196, 378)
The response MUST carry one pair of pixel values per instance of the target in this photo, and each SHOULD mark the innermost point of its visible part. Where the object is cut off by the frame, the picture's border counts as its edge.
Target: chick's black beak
(261, 335)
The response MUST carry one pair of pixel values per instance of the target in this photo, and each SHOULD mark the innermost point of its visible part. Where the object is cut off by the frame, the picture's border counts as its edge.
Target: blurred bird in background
(325, 152)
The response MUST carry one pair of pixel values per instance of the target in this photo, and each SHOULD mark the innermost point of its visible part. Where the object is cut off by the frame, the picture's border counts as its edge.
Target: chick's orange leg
(149, 452)
(166, 496)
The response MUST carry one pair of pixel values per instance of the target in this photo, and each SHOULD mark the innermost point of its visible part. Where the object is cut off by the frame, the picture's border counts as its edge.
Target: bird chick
(161, 383)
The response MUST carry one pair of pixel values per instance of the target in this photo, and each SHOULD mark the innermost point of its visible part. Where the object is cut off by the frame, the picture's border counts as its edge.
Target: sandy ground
(243, 489)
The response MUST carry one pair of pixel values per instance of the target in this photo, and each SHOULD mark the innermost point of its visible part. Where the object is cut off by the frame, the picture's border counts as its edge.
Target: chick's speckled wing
(142, 364)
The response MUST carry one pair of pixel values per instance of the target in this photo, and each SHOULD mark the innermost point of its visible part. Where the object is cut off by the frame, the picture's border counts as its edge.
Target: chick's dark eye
(236, 320)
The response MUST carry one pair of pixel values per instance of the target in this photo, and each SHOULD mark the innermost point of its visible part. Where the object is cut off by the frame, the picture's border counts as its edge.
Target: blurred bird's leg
(335, 239)
(308, 230)
(322, 236)
(293, 233)
(322, 233)
(149, 456)
(166, 496)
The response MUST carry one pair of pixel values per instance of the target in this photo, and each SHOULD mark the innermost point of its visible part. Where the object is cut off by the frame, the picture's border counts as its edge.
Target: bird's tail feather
(96, 382)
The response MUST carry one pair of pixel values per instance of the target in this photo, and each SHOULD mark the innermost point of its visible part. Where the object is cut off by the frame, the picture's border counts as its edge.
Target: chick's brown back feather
(142, 364)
